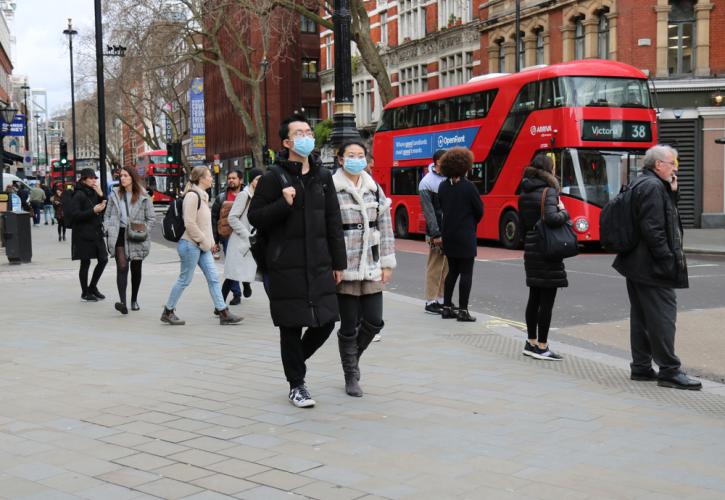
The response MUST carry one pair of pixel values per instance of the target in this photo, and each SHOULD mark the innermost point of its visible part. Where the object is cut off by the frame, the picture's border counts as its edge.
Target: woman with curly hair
(462, 210)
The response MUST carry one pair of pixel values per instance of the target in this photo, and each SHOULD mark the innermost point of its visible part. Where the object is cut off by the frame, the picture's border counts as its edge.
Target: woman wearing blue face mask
(370, 259)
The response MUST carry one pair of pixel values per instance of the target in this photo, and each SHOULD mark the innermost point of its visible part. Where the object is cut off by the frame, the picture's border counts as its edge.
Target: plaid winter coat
(360, 210)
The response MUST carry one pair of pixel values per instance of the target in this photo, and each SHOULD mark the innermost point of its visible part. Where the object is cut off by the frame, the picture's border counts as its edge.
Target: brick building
(292, 84)
(678, 43)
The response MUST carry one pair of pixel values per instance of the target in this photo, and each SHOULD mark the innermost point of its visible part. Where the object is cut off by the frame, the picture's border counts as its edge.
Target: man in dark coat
(234, 187)
(86, 214)
(653, 270)
(295, 207)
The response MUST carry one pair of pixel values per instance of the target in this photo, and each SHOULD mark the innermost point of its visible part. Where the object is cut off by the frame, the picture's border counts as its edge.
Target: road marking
(703, 265)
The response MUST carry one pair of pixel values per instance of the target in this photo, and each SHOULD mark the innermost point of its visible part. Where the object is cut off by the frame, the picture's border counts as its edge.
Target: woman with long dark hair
(462, 210)
(128, 220)
(539, 199)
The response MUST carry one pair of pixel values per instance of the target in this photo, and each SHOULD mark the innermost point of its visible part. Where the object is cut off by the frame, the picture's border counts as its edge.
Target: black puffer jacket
(305, 243)
(658, 259)
(87, 238)
(541, 272)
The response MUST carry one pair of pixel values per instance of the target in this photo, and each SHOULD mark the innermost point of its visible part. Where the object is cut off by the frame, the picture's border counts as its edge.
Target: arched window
(540, 46)
(501, 57)
(681, 37)
(520, 50)
(579, 38)
(603, 36)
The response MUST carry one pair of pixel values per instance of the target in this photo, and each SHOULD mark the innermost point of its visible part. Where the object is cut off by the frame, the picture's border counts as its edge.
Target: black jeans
(354, 308)
(297, 348)
(652, 317)
(462, 267)
(538, 312)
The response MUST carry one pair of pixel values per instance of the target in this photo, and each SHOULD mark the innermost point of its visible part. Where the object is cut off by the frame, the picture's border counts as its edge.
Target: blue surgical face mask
(303, 146)
(354, 165)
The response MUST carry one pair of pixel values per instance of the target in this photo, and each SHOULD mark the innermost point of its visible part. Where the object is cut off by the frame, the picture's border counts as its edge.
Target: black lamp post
(7, 115)
(71, 32)
(37, 137)
(25, 89)
(265, 151)
(344, 128)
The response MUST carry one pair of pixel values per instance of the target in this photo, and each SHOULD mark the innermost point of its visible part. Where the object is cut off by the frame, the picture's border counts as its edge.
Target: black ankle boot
(348, 357)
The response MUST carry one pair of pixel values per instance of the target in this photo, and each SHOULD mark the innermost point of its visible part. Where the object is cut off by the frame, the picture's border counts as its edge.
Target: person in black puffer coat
(87, 242)
(543, 276)
(295, 207)
(462, 210)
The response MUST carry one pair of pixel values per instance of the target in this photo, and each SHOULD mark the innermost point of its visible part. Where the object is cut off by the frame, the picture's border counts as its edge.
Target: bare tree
(359, 32)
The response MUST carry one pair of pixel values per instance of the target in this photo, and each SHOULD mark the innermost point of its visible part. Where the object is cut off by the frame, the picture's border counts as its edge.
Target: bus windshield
(607, 92)
(596, 176)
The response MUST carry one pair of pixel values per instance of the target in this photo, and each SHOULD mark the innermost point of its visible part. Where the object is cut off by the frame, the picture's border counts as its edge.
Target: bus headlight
(581, 225)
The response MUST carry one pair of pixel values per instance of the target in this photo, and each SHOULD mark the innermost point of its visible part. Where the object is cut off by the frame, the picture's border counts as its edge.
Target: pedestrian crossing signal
(63, 152)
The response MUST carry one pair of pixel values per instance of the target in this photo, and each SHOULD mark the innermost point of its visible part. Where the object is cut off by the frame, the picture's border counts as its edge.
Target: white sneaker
(300, 397)
(377, 338)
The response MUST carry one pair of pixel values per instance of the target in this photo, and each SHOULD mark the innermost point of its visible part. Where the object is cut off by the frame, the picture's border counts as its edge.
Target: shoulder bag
(135, 231)
(555, 243)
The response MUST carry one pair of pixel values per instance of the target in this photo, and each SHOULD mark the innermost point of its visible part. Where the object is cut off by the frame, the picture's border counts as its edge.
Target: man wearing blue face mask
(295, 209)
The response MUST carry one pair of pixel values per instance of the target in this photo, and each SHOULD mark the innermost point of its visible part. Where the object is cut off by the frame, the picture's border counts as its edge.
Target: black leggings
(538, 312)
(462, 267)
(355, 308)
(122, 266)
(61, 228)
(97, 272)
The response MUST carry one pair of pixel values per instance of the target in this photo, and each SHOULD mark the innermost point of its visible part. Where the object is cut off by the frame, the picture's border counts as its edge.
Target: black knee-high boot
(349, 358)
(365, 334)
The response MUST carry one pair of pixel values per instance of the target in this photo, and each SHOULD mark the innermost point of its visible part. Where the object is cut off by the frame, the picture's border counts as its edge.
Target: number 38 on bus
(594, 119)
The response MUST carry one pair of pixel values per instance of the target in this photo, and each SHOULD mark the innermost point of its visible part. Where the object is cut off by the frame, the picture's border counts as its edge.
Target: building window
(309, 69)
(307, 25)
(540, 46)
(680, 37)
(411, 20)
(413, 79)
(456, 69)
(330, 104)
(603, 36)
(384, 28)
(579, 38)
(501, 57)
(363, 98)
(313, 115)
(521, 51)
(328, 52)
(450, 11)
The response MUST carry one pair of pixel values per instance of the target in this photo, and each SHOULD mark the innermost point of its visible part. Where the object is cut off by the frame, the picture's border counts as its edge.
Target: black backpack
(66, 201)
(172, 227)
(618, 229)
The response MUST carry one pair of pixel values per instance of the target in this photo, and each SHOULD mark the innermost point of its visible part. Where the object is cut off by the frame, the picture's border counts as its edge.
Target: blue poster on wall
(17, 127)
(196, 117)
(412, 147)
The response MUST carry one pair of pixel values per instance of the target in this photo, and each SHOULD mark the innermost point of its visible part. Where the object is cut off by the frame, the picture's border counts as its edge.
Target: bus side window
(405, 180)
(477, 175)
(400, 121)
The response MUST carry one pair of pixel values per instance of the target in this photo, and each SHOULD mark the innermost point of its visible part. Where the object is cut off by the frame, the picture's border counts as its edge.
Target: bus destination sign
(412, 147)
(616, 130)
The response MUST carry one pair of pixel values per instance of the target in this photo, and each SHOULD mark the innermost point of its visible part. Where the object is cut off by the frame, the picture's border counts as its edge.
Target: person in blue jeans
(196, 247)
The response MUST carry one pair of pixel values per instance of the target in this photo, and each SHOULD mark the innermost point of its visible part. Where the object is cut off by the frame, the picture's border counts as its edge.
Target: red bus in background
(58, 174)
(594, 118)
(161, 179)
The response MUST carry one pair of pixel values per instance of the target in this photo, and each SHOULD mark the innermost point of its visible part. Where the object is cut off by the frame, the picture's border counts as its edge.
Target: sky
(41, 49)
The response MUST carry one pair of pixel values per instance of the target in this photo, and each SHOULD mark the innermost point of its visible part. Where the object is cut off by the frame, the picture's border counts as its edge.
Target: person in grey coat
(130, 214)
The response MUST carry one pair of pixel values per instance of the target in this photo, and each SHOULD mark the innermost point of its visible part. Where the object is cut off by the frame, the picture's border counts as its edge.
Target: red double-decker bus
(62, 174)
(594, 118)
(161, 179)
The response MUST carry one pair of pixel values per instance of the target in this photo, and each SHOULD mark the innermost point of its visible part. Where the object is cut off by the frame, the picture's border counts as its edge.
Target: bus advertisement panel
(594, 119)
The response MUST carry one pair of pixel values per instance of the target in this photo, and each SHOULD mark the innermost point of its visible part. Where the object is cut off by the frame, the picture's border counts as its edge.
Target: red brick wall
(717, 38)
(637, 20)
(555, 41)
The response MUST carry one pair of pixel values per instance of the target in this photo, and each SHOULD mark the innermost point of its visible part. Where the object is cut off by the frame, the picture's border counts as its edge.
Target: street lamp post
(37, 137)
(517, 27)
(26, 88)
(344, 128)
(265, 152)
(7, 115)
(71, 32)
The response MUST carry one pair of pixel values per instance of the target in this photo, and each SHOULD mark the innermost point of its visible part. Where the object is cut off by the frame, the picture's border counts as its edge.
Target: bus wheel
(401, 223)
(510, 230)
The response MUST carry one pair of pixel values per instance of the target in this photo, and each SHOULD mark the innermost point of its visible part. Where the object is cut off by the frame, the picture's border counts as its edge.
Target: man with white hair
(653, 270)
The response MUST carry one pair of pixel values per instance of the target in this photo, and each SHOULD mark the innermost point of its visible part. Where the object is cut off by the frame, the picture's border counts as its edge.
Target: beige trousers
(435, 274)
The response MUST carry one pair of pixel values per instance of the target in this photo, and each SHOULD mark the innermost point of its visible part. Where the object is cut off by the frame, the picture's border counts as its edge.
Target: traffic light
(173, 152)
(63, 153)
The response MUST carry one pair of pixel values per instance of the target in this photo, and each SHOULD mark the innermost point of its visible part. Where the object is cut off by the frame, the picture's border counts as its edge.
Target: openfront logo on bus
(449, 141)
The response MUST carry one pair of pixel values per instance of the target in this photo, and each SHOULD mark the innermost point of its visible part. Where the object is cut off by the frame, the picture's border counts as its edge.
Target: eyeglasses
(303, 133)
(669, 162)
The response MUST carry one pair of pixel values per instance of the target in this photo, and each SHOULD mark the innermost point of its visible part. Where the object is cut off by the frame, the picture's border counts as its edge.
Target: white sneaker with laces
(300, 397)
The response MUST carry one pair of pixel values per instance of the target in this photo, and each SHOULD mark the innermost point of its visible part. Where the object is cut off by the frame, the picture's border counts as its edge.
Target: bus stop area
(96, 405)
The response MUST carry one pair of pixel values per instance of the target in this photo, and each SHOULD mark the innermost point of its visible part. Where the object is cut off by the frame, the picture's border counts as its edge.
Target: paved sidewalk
(99, 406)
(705, 241)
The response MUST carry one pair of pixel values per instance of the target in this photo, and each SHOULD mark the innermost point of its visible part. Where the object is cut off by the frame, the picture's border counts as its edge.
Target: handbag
(555, 243)
(135, 231)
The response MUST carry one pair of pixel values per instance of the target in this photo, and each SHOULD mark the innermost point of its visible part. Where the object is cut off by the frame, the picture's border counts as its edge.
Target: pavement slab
(96, 405)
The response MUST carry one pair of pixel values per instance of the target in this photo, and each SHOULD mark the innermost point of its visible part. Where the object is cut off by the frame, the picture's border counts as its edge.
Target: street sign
(27, 158)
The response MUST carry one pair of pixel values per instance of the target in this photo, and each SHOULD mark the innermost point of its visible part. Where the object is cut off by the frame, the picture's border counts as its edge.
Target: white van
(10, 178)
